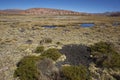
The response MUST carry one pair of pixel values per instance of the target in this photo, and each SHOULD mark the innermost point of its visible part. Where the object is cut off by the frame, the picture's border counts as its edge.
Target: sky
(89, 6)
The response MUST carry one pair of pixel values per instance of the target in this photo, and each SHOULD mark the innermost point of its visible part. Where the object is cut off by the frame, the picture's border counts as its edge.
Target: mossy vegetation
(26, 68)
(52, 53)
(112, 61)
(102, 47)
(105, 55)
(39, 49)
(75, 72)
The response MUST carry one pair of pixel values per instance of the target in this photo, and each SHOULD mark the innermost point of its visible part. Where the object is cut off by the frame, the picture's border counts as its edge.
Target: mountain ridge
(41, 11)
(51, 11)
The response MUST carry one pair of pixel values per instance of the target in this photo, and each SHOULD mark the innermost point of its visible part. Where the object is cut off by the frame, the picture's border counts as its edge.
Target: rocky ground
(17, 41)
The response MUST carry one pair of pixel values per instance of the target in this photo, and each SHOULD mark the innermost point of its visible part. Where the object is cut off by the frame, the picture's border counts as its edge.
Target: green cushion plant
(26, 68)
(39, 49)
(75, 72)
(52, 53)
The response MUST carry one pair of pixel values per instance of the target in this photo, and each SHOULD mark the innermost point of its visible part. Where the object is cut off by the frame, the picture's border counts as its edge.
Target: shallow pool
(87, 25)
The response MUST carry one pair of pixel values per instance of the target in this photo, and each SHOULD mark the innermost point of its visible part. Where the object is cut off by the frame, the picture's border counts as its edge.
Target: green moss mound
(39, 49)
(75, 72)
(26, 68)
(52, 53)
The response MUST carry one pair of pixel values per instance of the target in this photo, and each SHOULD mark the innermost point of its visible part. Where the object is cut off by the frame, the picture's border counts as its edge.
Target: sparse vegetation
(46, 40)
(17, 31)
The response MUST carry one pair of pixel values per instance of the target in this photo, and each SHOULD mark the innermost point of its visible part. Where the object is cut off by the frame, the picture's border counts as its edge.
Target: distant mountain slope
(41, 11)
(112, 13)
(48, 11)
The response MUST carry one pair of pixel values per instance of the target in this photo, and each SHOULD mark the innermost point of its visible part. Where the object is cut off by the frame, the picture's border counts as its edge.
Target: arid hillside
(40, 11)
(49, 11)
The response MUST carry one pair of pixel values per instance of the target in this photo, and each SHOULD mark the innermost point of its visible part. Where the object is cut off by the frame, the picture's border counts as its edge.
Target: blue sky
(90, 6)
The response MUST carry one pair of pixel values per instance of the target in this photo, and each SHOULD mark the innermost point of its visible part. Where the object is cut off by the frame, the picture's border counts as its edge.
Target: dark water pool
(49, 26)
(87, 25)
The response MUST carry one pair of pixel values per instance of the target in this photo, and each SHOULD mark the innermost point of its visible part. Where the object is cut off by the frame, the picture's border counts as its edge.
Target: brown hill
(41, 11)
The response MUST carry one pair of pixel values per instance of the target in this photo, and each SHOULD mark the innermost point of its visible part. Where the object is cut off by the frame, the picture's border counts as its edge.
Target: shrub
(102, 47)
(51, 53)
(26, 69)
(75, 72)
(39, 49)
(105, 55)
(112, 61)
